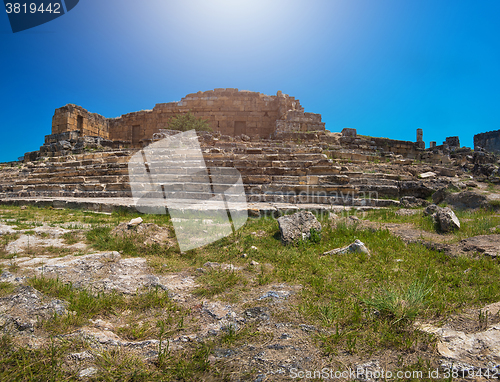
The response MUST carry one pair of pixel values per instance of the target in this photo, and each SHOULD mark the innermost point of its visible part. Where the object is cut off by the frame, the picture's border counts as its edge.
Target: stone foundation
(227, 111)
(489, 141)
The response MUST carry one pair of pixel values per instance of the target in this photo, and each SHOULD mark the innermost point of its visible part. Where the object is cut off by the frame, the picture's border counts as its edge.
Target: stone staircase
(272, 172)
(99, 174)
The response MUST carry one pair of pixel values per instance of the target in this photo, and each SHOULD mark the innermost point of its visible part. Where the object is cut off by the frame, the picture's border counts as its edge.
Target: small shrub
(185, 122)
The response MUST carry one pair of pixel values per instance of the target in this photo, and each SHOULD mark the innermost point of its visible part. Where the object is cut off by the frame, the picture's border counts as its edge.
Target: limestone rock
(488, 245)
(103, 272)
(6, 229)
(466, 200)
(88, 372)
(430, 210)
(428, 175)
(440, 195)
(21, 310)
(406, 212)
(297, 226)
(419, 189)
(446, 219)
(474, 349)
(357, 247)
(134, 222)
(151, 233)
(64, 145)
(411, 201)
(368, 372)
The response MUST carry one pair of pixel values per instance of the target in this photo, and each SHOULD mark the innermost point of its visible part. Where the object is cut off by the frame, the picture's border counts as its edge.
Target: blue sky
(384, 67)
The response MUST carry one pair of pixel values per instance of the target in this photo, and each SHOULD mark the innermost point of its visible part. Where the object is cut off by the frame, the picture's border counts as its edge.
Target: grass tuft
(400, 305)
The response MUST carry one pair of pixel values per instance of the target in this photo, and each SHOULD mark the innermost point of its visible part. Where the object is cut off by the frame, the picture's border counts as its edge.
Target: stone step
(263, 148)
(196, 189)
(75, 177)
(380, 190)
(275, 209)
(376, 175)
(89, 155)
(72, 179)
(373, 181)
(276, 168)
(354, 156)
(265, 157)
(299, 189)
(114, 185)
(289, 179)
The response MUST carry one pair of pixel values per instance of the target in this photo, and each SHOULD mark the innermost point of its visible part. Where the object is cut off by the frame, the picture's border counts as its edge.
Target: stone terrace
(322, 171)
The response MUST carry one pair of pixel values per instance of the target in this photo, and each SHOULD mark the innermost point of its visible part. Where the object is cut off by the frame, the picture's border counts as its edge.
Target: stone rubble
(297, 226)
(446, 220)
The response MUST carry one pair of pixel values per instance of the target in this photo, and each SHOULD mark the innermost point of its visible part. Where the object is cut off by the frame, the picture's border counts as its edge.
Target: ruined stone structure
(420, 139)
(283, 154)
(75, 118)
(420, 135)
(489, 141)
(228, 111)
(349, 132)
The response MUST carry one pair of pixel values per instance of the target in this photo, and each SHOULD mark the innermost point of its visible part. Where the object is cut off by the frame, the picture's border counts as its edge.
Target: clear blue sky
(384, 67)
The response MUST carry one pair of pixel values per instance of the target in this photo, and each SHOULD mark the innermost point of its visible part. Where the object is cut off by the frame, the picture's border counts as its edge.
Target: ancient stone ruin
(291, 167)
(228, 111)
(489, 141)
(284, 155)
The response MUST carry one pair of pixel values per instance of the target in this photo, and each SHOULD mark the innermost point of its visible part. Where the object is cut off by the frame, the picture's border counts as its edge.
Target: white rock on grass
(357, 247)
(446, 219)
(88, 372)
(134, 222)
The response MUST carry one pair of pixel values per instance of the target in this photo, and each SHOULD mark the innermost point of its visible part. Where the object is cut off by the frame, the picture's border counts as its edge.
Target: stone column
(420, 139)
(420, 135)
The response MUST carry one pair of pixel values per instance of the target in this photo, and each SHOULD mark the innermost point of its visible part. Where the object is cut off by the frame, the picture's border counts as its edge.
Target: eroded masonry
(228, 111)
(285, 157)
(489, 141)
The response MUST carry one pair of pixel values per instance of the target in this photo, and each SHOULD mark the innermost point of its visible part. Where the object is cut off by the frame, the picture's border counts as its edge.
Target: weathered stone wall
(76, 118)
(489, 141)
(405, 148)
(452, 142)
(228, 111)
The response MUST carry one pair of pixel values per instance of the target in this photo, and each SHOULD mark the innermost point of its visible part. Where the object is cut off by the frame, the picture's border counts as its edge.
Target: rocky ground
(255, 328)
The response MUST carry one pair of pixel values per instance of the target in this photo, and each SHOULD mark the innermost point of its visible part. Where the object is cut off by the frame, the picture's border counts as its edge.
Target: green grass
(70, 238)
(42, 364)
(101, 239)
(218, 281)
(400, 305)
(6, 288)
(363, 304)
(338, 289)
(84, 304)
(472, 223)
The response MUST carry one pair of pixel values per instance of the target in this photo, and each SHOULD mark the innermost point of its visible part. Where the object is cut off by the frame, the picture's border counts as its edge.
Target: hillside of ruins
(335, 220)
(284, 154)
